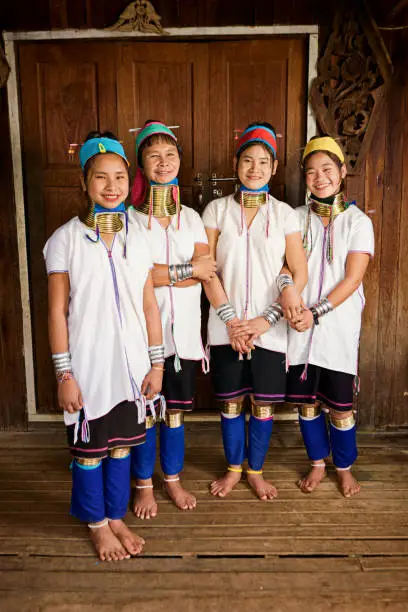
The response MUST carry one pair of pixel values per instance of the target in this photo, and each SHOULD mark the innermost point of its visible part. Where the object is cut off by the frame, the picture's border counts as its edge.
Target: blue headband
(95, 146)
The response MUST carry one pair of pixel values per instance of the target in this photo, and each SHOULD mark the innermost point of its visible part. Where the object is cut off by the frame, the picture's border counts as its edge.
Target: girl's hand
(204, 267)
(252, 328)
(69, 396)
(302, 322)
(242, 344)
(291, 303)
(152, 383)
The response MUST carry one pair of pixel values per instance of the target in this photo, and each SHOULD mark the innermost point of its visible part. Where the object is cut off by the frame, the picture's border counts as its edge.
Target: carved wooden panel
(353, 73)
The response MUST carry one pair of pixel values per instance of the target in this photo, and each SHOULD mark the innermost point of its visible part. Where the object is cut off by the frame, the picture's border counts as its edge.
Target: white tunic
(335, 340)
(106, 324)
(180, 307)
(249, 263)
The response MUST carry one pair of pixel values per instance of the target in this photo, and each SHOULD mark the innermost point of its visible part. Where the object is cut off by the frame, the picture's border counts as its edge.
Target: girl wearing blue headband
(103, 324)
(251, 233)
(180, 253)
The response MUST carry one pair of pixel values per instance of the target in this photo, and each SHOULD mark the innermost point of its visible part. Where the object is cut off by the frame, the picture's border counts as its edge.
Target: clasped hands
(243, 332)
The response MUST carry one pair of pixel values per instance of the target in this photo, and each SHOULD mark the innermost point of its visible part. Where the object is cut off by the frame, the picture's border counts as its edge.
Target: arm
(295, 266)
(203, 267)
(356, 266)
(216, 296)
(152, 382)
(69, 394)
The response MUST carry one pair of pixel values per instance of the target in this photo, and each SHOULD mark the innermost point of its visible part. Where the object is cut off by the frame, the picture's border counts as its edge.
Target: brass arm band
(232, 408)
(308, 411)
(174, 420)
(346, 423)
(262, 412)
(88, 461)
(150, 421)
(120, 453)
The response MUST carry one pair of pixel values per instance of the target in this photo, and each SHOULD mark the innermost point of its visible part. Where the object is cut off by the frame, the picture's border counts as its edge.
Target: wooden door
(67, 89)
(168, 82)
(210, 89)
(259, 80)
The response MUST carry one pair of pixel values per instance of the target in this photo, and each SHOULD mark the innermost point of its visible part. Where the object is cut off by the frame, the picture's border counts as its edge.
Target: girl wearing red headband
(251, 233)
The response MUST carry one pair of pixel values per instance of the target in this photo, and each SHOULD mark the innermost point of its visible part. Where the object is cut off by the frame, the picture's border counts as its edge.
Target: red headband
(258, 134)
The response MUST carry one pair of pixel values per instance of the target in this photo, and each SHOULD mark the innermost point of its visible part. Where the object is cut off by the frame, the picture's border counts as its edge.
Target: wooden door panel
(260, 80)
(66, 91)
(168, 82)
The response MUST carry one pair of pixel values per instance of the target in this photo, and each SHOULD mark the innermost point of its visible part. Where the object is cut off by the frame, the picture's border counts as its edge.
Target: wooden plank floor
(298, 552)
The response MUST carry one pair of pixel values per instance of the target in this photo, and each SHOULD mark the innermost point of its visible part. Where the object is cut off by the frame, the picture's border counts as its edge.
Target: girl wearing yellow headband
(324, 339)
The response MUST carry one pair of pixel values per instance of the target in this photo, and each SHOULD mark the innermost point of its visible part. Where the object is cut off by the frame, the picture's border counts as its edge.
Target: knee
(342, 420)
(232, 409)
(92, 462)
(308, 412)
(261, 410)
(174, 418)
(119, 453)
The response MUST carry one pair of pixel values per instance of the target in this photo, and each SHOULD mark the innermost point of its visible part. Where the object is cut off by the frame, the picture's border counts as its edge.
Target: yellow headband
(323, 144)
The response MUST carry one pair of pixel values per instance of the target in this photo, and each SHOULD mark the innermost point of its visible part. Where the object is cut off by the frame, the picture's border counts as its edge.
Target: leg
(344, 450)
(172, 459)
(233, 437)
(312, 421)
(143, 459)
(117, 487)
(88, 504)
(259, 435)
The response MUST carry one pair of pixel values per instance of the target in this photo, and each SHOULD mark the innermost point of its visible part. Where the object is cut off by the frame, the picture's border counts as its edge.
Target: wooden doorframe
(182, 34)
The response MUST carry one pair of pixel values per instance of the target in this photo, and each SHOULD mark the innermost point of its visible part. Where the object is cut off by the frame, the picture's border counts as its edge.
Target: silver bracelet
(323, 307)
(184, 271)
(156, 353)
(226, 312)
(273, 313)
(284, 280)
(62, 362)
(172, 275)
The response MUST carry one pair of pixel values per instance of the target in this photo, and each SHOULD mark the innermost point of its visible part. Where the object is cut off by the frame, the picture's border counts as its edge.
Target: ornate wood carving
(139, 16)
(352, 77)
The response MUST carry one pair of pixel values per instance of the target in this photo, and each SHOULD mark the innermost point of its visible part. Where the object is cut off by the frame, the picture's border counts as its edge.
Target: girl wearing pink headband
(251, 233)
(180, 253)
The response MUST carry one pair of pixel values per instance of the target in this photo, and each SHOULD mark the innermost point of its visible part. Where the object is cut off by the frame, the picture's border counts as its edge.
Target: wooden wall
(381, 187)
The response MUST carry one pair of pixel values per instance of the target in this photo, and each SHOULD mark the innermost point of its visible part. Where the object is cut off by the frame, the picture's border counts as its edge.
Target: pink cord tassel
(242, 214)
(176, 198)
(150, 210)
(303, 376)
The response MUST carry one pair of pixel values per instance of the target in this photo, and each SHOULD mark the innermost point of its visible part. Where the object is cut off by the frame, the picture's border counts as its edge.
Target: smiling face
(107, 181)
(255, 167)
(323, 175)
(161, 161)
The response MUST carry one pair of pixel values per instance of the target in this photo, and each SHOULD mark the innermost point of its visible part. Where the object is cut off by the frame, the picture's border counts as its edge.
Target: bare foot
(225, 484)
(132, 542)
(263, 489)
(182, 498)
(348, 485)
(107, 545)
(144, 502)
(312, 479)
